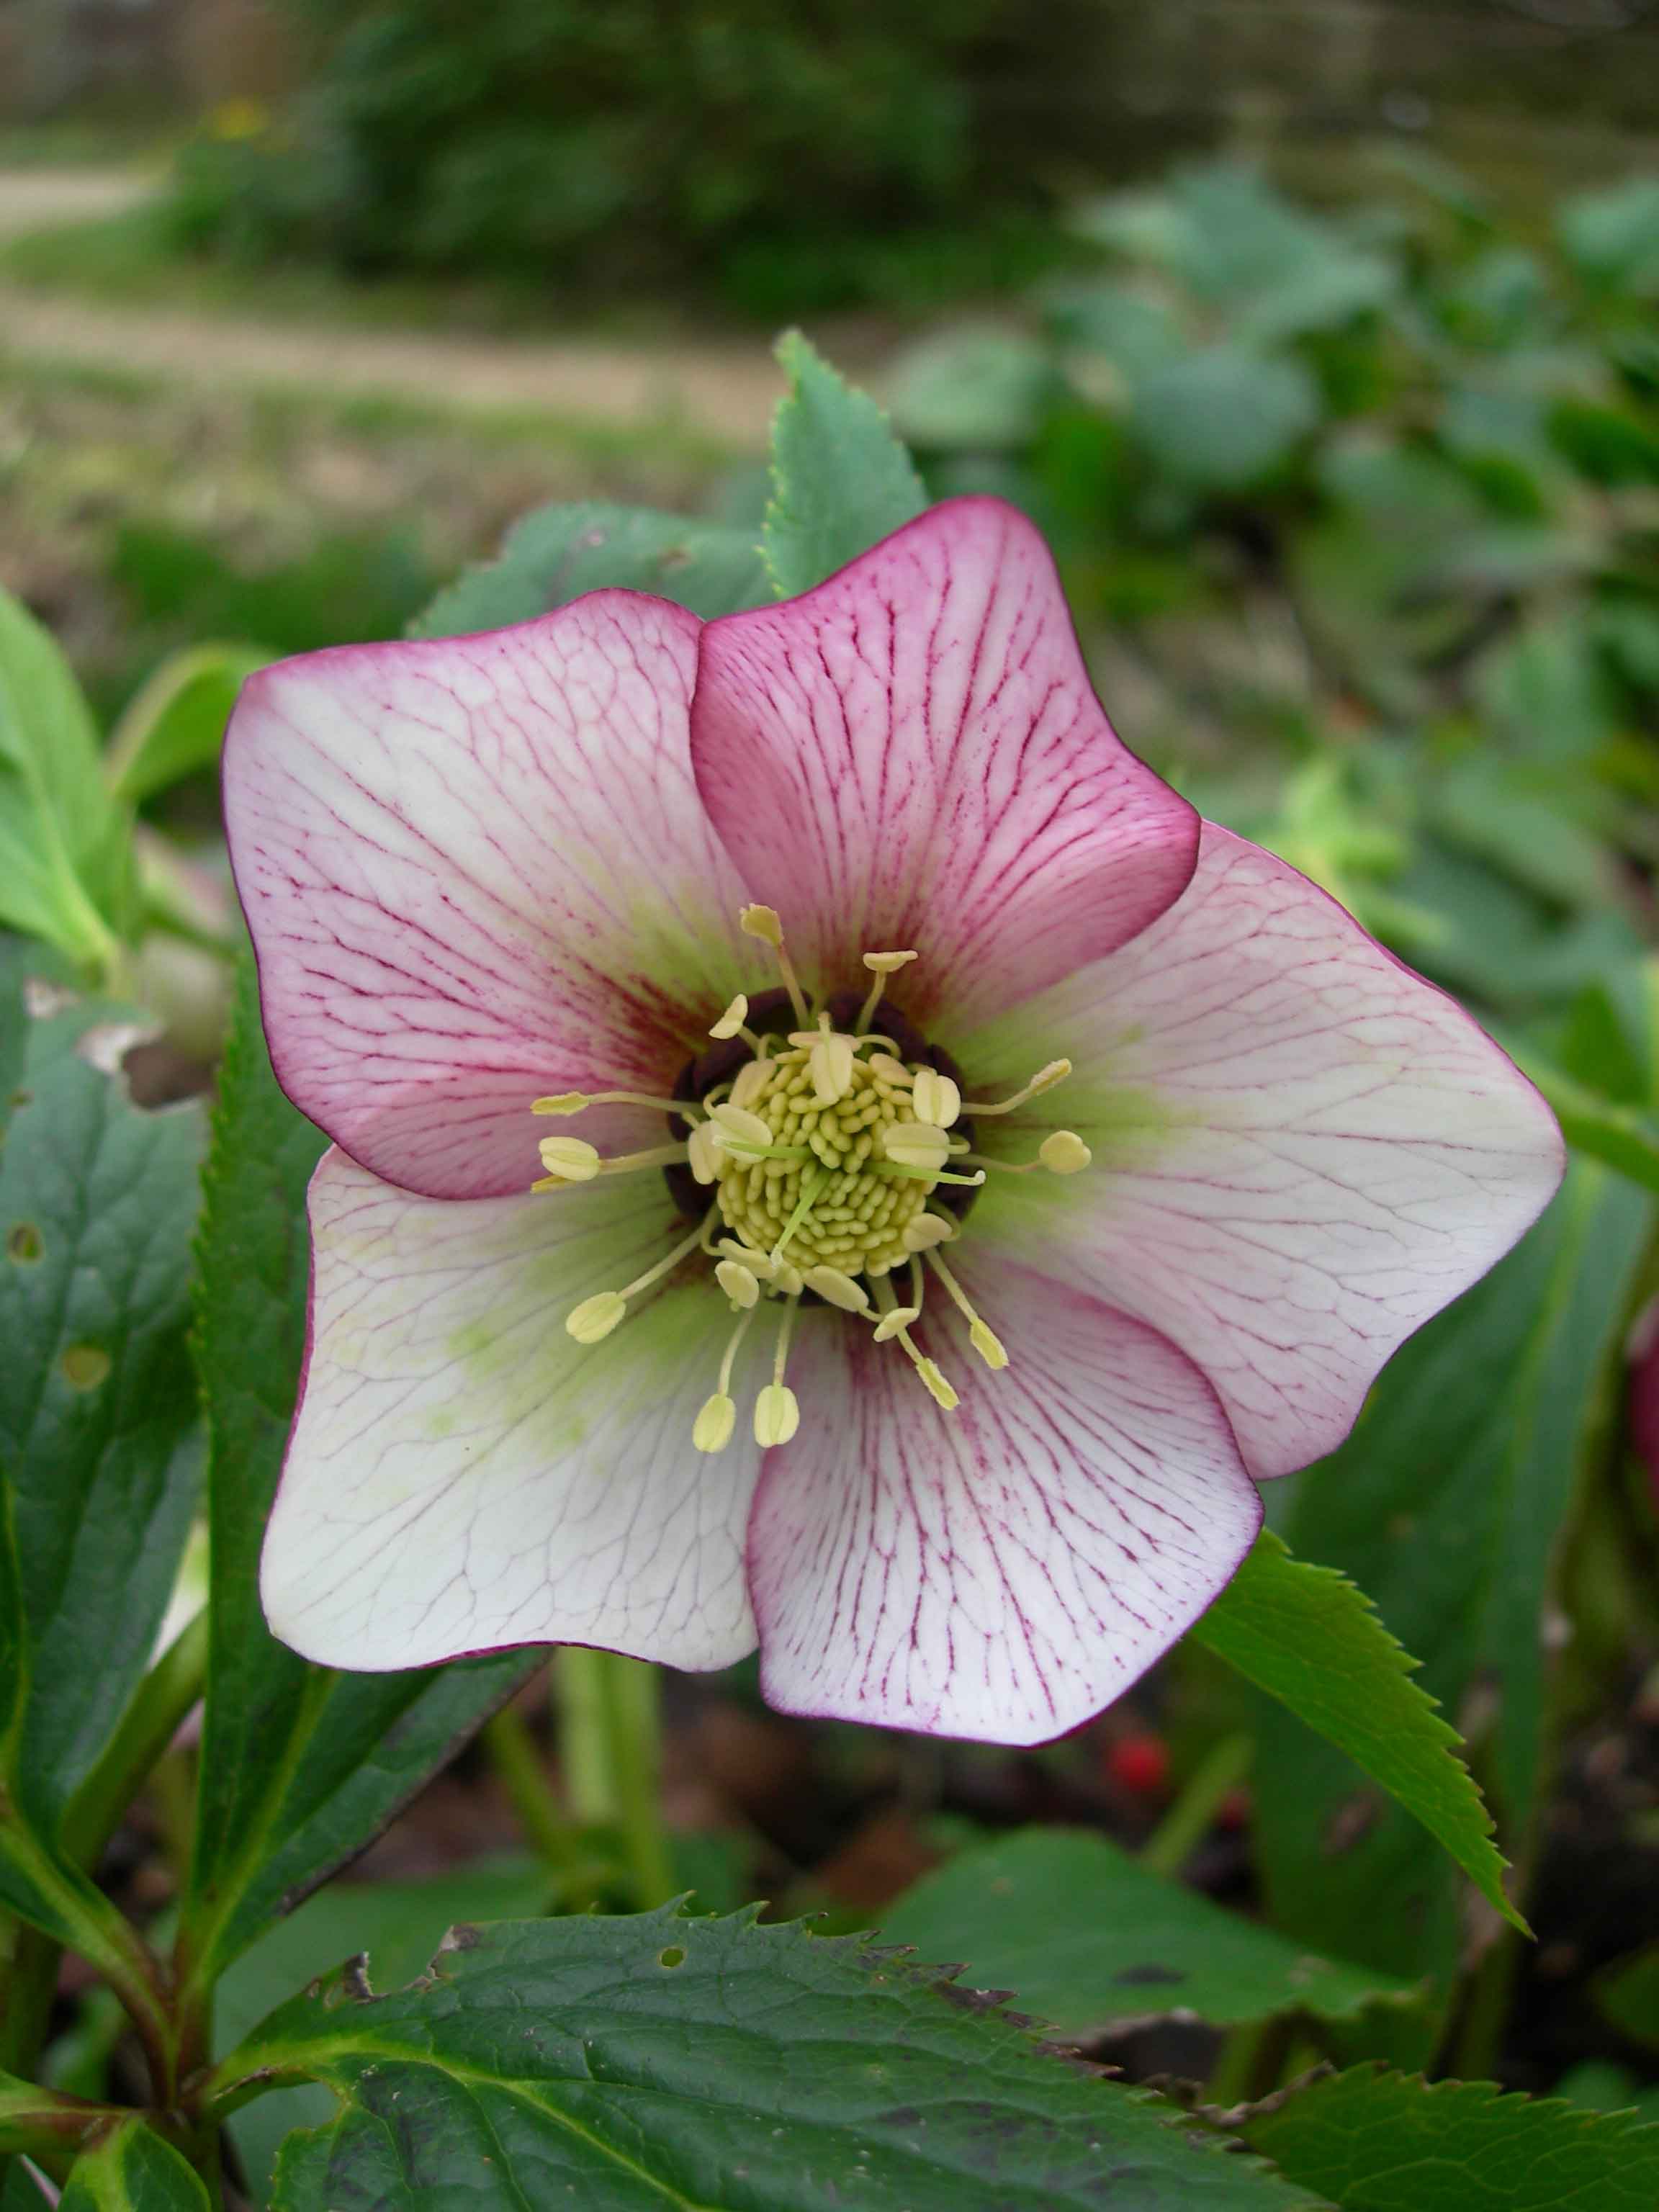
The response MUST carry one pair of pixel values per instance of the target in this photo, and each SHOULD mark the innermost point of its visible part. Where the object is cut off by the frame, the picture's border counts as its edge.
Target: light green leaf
(841, 480)
(1307, 1636)
(64, 867)
(975, 389)
(1086, 1938)
(175, 723)
(1373, 2142)
(1220, 416)
(300, 1767)
(624, 2063)
(132, 2169)
(1612, 236)
(558, 553)
(1449, 1504)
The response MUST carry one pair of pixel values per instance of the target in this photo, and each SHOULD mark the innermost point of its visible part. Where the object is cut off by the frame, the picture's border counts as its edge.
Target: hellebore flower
(959, 1170)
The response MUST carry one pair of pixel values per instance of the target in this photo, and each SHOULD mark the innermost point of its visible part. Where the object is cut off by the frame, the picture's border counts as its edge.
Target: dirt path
(724, 392)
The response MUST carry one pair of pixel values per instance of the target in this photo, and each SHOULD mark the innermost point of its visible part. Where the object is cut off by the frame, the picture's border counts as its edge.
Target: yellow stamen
(926, 1229)
(984, 1340)
(1044, 1079)
(739, 1283)
(828, 1061)
(777, 1415)
(568, 1159)
(659, 1156)
(751, 1079)
(762, 921)
(578, 1102)
(712, 1430)
(731, 1022)
(836, 1289)
(935, 1099)
(938, 1389)
(891, 1070)
(881, 965)
(1062, 1152)
(703, 1151)
(601, 1312)
(916, 1144)
(896, 1321)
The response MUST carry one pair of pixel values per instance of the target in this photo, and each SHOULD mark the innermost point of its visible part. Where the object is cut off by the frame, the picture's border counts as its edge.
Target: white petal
(462, 1475)
(1302, 1150)
(1004, 1571)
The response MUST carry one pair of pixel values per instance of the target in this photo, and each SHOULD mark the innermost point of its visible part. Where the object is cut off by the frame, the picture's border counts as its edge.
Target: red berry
(1139, 1764)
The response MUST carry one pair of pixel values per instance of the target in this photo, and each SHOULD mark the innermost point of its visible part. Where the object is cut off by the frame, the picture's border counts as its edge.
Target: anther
(777, 1415)
(837, 1289)
(595, 1318)
(1063, 1152)
(895, 1321)
(569, 1159)
(739, 1282)
(923, 1231)
(882, 965)
(712, 1430)
(762, 921)
(732, 1021)
(703, 1151)
(916, 1144)
(934, 1098)
(938, 1389)
(984, 1339)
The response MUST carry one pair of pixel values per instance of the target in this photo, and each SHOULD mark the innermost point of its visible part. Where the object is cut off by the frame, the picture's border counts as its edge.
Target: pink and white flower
(798, 930)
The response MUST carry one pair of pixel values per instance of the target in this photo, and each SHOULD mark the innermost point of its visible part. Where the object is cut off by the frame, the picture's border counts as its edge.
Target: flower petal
(476, 869)
(1302, 1149)
(1003, 1571)
(462, 1475)
(911, 755)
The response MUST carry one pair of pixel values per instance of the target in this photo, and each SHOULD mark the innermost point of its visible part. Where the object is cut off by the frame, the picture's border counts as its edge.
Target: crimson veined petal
(476, 869)
(1302, 1150)
(462, 1475)
(912, 756)
(1003, 1573)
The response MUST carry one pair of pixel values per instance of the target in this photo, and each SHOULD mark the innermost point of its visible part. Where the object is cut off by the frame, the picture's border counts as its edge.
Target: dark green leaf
(176, 723)
(558, 553)
(97, 1403)
(622, 2063)
(132, 2169)
(1305, 1635)
(1087, 1938)
(1388, 2142)
(841, 480)
(300, 1767)
(1449, 1504)
(1629, 1995)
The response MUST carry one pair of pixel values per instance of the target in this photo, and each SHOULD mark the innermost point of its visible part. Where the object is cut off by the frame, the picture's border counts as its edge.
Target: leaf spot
(23, 1244)
(85, 1366)
(673, 1956)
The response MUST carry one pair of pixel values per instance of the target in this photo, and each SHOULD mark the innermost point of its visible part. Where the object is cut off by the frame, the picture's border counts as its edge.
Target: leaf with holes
(300, 1768)
(1087, 1938)
(841, 480)
(1373, 2142)
(617, 2063)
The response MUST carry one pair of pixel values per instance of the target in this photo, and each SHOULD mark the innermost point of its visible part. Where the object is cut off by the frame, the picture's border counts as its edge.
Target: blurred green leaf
(556, 553)
(741, 2066)
(300, 1767)
(1628, 1993)
(65, 868)
(1221, 417)
(1308, 1637)
(1087, 1938)
(841, 480)
(975, 389)
(1372, 2142)
(132, 2169)
(176, 723)
(1612, 236)
(1449, 1504)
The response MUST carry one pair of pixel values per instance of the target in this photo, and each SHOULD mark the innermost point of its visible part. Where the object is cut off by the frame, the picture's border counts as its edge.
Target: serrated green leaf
(176, 722)
(1448, 1505)
(300, 1767)
(1374, 2141)
(1086, 1937)
(558, 553)
(1307, 1636)
(132, 2169)
(98, 1445)
(841, 480)
(64, 863)
(624, 2063)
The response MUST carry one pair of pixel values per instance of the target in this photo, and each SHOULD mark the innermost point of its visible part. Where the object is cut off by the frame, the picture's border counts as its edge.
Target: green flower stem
(28, 1982)
(1183, 1826)
(513, 1752)
(609, 1739)
(148, 1726)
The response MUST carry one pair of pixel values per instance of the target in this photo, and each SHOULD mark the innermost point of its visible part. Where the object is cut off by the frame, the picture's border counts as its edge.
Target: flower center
(822, 1151)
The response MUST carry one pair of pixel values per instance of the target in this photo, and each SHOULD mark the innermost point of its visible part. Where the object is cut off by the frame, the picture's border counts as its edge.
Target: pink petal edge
(911, 755)
(476, 869)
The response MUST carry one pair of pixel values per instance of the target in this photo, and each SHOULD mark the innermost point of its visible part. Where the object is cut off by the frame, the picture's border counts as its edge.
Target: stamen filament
(811, 1185)
(659, 1156)
(762, 921)
(654, 1274)
(885, 964)
(777, 1409)
(578, 1102)
(927, 1175)
(1044, 1079)
(1062, 1152)
(594, 1318)
(982, 1338)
